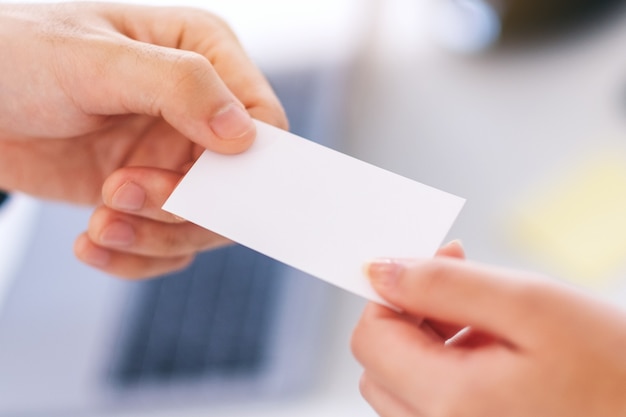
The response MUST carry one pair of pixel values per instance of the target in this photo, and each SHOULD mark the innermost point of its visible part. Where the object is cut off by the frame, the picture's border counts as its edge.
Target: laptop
(233, 327)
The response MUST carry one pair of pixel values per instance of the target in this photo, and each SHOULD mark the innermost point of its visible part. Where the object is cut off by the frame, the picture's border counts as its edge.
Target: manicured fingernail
(384, 272)
(129, 197)
(231, 122)
(455, 242)
(119, 234)
(458, 243)
(452, 249)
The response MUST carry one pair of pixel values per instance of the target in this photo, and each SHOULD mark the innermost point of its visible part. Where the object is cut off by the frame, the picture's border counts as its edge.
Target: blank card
(314, 208)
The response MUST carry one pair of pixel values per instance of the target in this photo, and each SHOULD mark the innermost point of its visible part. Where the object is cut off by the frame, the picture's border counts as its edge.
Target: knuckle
(186, 239)
(189, 68)
(172, 242)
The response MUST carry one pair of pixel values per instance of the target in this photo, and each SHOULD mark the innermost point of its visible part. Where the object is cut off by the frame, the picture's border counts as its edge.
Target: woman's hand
(475, 340)
(87, 89)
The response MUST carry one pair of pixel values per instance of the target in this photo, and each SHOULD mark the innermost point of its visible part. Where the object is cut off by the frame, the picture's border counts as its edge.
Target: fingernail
(384, 272)
(119, 234)
(129, 197)
(455, 242)
(231, 122)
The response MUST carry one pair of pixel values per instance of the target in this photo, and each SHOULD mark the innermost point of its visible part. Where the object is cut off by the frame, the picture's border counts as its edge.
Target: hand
(493, 342)
(88, 89)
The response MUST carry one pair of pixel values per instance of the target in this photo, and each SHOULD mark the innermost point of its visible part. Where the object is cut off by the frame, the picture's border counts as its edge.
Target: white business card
(314, 208)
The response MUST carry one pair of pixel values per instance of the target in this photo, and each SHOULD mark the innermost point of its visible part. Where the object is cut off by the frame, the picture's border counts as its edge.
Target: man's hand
(88, 89)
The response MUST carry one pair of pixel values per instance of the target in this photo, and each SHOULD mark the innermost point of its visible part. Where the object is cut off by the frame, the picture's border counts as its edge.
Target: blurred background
(519, 106)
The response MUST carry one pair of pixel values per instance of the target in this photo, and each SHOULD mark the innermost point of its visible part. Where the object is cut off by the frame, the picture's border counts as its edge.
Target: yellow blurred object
(577, 224)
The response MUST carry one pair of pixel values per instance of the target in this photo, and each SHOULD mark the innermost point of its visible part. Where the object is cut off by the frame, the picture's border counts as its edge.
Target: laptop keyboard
(209, 320)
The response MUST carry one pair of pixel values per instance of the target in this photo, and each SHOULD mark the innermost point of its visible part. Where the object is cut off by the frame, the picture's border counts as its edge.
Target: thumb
(180, 86)
(183, 64)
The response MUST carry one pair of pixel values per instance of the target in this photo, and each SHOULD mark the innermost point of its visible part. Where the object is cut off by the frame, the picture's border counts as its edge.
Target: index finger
(202, 32)
(510, 305)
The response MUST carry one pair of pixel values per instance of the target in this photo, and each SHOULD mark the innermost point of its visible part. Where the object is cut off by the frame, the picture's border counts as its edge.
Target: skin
(109, 104)
(476, 340)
